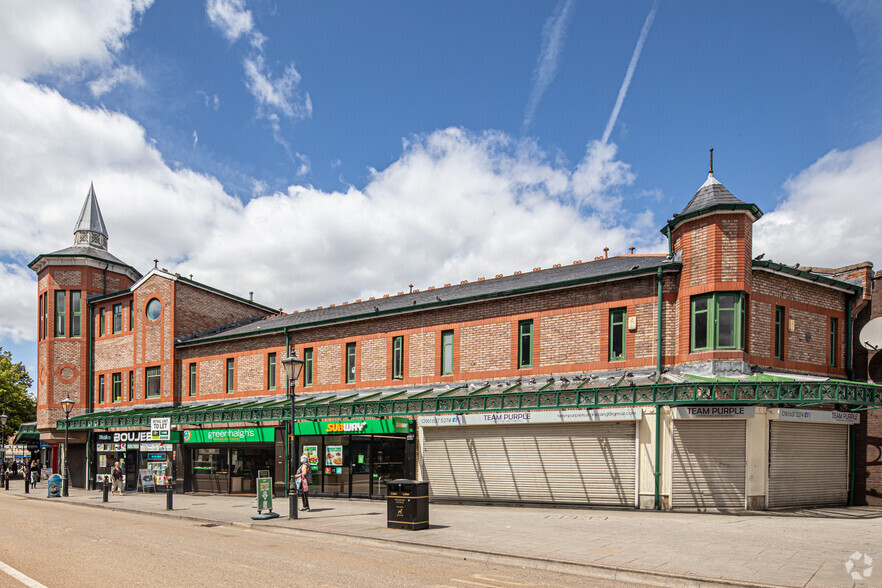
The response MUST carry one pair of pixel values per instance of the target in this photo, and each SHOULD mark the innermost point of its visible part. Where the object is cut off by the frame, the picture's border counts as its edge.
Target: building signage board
(362, 427)
(532, 417)
(160, 429)
(815, 416)
(713, 412)
(248, 435)
(264, 494)
(135, 437)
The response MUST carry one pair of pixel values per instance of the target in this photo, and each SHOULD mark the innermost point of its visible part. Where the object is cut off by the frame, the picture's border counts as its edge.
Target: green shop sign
(364, 427)
(249, 435)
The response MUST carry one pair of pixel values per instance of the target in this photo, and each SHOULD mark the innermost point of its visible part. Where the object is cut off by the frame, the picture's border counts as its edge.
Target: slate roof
(522, 283)
(711, 193)
(90, 216)
(85, 251)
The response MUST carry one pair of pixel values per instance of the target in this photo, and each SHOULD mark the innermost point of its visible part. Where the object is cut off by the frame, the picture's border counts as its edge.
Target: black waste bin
(407, 504)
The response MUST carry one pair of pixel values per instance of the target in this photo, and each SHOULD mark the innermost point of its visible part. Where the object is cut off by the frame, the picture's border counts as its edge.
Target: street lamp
(3, 418)
(67, 404)
(293, 366)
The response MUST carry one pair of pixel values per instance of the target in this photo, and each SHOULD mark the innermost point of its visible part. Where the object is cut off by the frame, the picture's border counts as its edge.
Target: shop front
(709, 468)
(138, 454)
(228, 461)
(356, 458)
(809, 457)
(584, 457)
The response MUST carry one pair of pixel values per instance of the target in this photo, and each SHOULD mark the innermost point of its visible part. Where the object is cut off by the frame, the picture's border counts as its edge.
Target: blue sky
(316, 154)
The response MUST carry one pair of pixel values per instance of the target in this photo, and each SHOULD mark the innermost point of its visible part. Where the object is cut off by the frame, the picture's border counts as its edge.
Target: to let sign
(160, 429)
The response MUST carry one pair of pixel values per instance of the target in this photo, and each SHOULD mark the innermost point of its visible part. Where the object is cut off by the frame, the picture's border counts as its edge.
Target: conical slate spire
(90, 230)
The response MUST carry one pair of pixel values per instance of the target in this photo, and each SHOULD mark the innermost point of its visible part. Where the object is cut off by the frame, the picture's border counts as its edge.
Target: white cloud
(18, 295)
(43, 36)
(553, 34)
(212, 102)
(599, 174)
(125, 74)
(230, 17)
(276, 94)
(195, 139)
(830, 214)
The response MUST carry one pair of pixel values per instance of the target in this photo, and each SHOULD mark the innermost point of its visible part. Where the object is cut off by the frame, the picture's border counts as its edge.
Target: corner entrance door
(360, 459)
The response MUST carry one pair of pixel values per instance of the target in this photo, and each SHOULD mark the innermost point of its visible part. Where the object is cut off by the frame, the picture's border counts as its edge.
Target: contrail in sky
(644, 32)
(546, 68)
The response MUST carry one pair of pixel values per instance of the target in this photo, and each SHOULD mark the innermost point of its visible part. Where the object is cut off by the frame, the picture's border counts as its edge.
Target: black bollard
(169, 494)
(27, 483)
(7, 480)
(105, 490)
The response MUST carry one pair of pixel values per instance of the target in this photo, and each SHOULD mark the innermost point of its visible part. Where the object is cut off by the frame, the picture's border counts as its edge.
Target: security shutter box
(808, 464)
(709, 464)
(584, 463)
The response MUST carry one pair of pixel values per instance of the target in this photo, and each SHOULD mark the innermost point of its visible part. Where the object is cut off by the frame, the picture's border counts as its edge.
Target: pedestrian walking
(118, 484)
(303, 478)
(35, 472)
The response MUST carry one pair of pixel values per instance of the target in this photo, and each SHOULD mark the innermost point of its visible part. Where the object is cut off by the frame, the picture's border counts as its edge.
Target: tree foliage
(15, 400)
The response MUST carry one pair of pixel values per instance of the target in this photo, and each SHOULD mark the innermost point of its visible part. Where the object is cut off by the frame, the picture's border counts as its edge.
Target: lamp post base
(64, 486)
(292, 505)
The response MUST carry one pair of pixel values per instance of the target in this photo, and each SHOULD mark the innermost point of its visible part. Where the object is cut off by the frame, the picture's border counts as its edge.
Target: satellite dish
(871, 335)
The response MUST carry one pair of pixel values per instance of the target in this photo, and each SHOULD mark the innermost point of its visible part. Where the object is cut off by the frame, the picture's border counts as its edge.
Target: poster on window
(334, 455)
(311, 453)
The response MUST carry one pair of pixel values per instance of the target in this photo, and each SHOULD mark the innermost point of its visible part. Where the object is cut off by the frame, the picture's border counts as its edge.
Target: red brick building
(671, 380)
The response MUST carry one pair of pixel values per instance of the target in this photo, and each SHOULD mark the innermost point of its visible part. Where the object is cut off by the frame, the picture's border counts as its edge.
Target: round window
(154, 309)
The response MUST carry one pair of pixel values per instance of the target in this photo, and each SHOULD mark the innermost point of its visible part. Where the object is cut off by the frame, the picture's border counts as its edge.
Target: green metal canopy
(505, 396)
(26, 433)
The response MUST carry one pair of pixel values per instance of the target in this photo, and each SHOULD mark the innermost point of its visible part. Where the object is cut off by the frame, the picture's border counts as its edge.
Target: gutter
(849, 322)
(658, 359)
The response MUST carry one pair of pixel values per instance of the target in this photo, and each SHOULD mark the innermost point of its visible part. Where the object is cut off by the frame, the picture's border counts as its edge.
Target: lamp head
(67, 404)
(293, 366)
(3, 418)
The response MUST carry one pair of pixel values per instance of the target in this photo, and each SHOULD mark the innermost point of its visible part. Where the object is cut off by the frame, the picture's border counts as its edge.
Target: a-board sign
(263, 473)
(146, 477)
(264, 494)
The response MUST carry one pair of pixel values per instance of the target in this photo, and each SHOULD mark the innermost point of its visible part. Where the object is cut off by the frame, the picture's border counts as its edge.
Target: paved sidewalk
(801, 548)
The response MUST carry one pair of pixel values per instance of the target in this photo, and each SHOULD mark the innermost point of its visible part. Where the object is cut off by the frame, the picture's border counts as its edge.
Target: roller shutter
(709, 463)
(588, 463)
(808, 464)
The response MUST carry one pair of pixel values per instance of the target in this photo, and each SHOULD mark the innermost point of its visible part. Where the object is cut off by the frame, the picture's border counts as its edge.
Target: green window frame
(446, 353)
(618, 317)
(398, 358)
(271, 371)
(717, 321)
(101, 389)
(779, 333)
(76, 312)
(117, 318)
(152, 381)
(59, 313)
(116, 387)
(101, 321)
(131, 314)
(131, 385)
(834, 341)
(41, 326)
(231, 375)
(308, 366)
(351, 362)
(191, 382)
(525, 344)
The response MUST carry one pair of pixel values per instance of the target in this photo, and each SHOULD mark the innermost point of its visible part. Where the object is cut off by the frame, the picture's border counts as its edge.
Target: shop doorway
(354, 466)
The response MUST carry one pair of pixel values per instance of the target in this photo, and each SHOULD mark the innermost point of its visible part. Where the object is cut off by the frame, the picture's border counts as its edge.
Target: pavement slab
(796, 548)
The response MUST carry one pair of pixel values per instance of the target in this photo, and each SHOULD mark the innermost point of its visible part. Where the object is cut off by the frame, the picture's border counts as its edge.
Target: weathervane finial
(711, 170)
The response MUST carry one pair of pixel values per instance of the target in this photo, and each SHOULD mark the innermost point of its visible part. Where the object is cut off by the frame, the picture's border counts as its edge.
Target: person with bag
(303, 479)
(35, 472)
(118, 484)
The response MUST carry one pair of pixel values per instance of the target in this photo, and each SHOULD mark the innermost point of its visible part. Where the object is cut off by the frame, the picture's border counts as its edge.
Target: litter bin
(407, 504)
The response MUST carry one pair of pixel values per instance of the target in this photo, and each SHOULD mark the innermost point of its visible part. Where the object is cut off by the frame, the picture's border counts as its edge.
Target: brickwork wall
(62, 362)
(731, 242)
(374, 359)
(328, 364)
(197, 309)
(572, 338)
(644, 338)
(762, 327)
(250, 373)
(420, 355)
(485, 347)
(114, 352)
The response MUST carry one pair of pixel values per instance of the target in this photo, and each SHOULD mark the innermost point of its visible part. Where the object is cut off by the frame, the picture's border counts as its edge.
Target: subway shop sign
(247, 435)
(363, 427)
